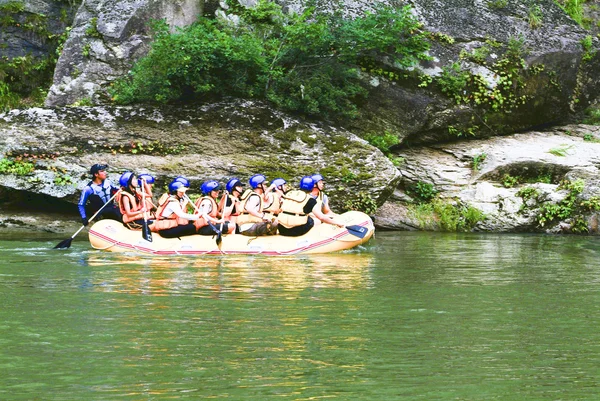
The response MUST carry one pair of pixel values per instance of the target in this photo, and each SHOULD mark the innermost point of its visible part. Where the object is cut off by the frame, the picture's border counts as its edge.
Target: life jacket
(274, 208)
(135, 203)
(245, 217)
(292, 209)
(100, 195)
(162, 222)
(150, 206)
(213, 212)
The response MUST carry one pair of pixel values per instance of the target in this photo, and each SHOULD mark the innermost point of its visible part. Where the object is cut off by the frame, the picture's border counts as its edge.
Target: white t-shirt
(175, 207)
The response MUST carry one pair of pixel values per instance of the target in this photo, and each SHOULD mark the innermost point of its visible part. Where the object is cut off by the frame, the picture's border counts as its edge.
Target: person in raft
(171, 220)
(272, 203)
(320, 196)
(98, 192)
(294, 219)
(132, 202)
(234, 190)
(146, 181)
(209, 211)
(252, 221)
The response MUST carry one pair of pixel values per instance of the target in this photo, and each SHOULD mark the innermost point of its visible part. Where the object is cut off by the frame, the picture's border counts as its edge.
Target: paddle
(358, 231)
(146, 234)
(219, 234)
(64, 244)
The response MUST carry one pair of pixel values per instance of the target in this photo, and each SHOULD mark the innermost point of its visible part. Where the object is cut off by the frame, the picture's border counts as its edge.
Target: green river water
(409, 316)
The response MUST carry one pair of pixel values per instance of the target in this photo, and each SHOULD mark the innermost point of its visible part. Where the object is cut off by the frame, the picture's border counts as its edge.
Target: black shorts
(207, 230)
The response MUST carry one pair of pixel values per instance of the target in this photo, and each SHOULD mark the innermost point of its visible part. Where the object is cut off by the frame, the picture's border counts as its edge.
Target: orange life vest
(213, 212)
(245, 217)
(274, 208)
(292, 209)
(161, 222)
(135, 204)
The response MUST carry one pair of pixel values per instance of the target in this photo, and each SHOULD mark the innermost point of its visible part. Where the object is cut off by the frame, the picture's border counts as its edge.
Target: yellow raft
(110, 235)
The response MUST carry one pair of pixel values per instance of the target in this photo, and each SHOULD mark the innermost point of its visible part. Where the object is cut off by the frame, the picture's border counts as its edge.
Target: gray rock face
(217, 141)
(536, 161)
(106, 39)
(554, 79)
(19, 38)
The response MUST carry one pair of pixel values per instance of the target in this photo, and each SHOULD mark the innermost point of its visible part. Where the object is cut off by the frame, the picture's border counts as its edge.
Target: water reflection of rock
(226, 277)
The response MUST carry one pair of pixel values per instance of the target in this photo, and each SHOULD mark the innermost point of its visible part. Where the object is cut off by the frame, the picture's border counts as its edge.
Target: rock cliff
(473, 123)
(52, 150)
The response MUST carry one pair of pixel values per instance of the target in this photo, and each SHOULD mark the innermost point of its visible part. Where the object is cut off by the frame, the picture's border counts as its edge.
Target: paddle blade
(64, 244)
(357, 231)
(146, 233)
(219, 240)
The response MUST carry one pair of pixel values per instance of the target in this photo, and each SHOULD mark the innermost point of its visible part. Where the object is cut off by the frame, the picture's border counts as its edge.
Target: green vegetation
(63, 179)
(497, 4)
(510, 181)
(450, 216)
(574, 8)
(385, 142)
(464, 132)
(362, 202)
(477, 161)
(569, 208)
(562, 150)
(592, 116)
(92, 30)
(305, 63)
(590, 138)
(423, 192)
(534, 16)
(151, 148)
(528, 193)
(507, 92)
(588, 49)
(16, 167)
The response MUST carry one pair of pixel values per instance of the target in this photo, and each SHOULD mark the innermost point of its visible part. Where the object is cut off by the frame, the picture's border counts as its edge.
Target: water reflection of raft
(112, 236)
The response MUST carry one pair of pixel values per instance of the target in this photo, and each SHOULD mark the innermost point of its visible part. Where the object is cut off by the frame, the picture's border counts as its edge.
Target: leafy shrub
(534, 16)
(478, 160)
(550, 212)
(574, 8)
(15, 167)
(510, 181)
(457, 217)
(528, 193)
(423, 191)
(362, 202)
(592, 116)
(383, 141)
(300, 62)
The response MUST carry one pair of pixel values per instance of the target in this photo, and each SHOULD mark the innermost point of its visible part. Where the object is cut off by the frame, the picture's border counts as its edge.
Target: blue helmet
(256, 180)
(232, 183)
(126, 178)
(175, 186)
(145, 177)
(278, 182)
(317, 177)
(307, 183)
(209, 186)
(182, 180)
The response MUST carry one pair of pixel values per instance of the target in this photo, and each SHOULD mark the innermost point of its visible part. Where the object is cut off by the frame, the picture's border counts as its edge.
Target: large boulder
(106, 39)
(27, 27)
(516, 181)
(216, 141)
(526, 63)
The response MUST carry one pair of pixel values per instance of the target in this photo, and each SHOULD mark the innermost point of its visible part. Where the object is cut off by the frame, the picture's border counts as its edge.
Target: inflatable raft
(110, 235)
